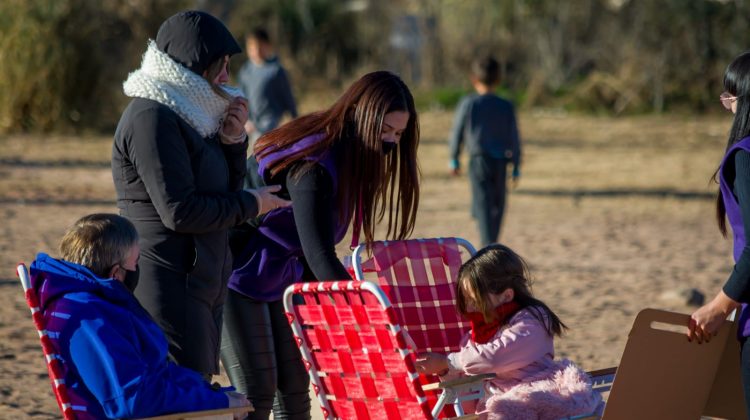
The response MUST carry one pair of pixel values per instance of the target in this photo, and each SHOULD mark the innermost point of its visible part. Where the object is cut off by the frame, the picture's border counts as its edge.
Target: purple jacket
(270, 260)
(734, 214)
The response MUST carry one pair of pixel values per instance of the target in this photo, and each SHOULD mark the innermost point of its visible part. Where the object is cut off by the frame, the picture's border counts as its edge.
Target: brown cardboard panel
(726, 399)
(663, 376)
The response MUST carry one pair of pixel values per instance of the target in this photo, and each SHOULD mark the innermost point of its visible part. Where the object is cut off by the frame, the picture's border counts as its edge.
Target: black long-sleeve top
(737, 286)
(313, 205)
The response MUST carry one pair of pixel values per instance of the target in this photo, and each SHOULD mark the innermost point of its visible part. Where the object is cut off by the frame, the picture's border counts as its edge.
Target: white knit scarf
(163, 80)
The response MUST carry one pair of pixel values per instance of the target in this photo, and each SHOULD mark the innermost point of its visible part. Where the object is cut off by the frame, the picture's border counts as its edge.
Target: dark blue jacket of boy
(487, 123)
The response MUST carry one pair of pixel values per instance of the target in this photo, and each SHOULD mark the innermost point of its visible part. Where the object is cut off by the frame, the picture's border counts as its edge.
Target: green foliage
(449, 97)
(31, 90)
(62, 62)
(438, 98)
(517, 97)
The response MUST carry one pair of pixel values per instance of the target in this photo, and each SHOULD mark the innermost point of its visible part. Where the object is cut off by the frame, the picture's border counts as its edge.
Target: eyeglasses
(727, 99)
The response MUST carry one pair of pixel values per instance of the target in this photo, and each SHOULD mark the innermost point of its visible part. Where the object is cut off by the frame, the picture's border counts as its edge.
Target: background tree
(62, 62)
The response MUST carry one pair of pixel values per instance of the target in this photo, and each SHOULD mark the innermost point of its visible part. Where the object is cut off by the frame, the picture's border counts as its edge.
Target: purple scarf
(270, 260)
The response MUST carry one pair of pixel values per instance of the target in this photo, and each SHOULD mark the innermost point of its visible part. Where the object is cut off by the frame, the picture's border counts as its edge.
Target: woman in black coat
(178, 163)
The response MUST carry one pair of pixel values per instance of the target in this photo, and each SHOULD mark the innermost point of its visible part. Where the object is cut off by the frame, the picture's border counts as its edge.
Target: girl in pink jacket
(512, 336)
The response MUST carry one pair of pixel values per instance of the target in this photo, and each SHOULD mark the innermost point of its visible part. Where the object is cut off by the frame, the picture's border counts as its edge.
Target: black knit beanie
(195, 39)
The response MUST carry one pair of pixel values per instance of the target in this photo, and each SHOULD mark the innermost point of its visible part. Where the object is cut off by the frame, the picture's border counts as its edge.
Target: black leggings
(262, 360)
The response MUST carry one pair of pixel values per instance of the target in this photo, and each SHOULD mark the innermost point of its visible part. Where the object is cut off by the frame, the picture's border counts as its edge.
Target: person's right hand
(232, 129)
(237, 400)
(267, 201)
(429, 363)
(705, 321)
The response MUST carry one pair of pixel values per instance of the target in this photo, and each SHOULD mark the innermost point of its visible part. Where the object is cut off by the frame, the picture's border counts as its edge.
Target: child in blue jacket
(488, 124)
(114, 355)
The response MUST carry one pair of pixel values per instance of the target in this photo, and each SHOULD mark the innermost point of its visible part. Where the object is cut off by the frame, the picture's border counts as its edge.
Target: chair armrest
(205, 413)
(602, 379)
(464, 380)
(603, 372)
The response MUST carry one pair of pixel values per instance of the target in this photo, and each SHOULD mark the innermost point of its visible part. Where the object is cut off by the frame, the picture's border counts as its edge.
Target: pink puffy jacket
(529, 383)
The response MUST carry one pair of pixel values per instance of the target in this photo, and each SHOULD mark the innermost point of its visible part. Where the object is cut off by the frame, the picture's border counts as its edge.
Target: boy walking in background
(488, 123)
(266, 86)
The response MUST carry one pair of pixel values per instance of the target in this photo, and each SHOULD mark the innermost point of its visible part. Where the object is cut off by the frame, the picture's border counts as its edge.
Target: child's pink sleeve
(520, 344)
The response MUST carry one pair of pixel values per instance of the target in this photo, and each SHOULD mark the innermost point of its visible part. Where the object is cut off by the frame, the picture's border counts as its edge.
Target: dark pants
(252, 179)
(488, 190)
(262, 360)
(745, 370)
(185, 302)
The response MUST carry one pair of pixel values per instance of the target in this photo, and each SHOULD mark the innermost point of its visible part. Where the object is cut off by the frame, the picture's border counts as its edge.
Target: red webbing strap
(343, 409)
(361, 367)
(424, 299)
(452, 257)
(55, 368)
(418, 255)
(420, 276)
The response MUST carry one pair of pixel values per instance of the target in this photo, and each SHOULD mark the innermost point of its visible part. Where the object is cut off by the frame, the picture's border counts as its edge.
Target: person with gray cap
(178, 164)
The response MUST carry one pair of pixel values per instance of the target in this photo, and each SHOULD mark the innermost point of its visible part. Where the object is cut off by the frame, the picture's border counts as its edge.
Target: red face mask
(481, 330)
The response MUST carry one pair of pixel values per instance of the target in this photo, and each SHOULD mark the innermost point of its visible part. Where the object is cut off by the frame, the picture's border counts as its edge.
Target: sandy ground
(610, 213)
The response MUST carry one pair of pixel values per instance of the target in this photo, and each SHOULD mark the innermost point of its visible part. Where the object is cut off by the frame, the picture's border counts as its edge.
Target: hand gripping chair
(56, 368)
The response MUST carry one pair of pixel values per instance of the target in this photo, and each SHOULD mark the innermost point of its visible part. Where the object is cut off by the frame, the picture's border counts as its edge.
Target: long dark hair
(736, 82)
(367, 178)
(494, 269)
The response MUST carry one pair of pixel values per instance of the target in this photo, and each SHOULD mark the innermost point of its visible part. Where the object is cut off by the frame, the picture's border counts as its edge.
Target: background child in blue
(488, 125)
(265, 84)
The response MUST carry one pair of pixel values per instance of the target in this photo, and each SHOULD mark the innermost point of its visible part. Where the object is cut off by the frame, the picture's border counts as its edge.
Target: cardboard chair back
(663, 376)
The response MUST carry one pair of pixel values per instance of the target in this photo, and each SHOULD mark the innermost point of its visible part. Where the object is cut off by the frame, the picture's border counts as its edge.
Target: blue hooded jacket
(115, 356)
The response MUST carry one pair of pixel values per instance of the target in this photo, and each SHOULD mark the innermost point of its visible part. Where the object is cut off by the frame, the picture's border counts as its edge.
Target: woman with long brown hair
(354, 164)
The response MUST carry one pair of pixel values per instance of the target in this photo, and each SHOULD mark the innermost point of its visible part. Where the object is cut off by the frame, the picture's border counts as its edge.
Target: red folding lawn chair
(419, 277)
(360, 360)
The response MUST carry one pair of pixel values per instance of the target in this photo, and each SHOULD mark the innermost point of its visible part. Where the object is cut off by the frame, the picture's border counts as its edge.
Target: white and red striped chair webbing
(358, 357)
(55, 367)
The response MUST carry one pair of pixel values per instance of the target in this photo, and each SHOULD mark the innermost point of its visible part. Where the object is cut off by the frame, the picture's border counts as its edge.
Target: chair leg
(448, 396)
(458, 408)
